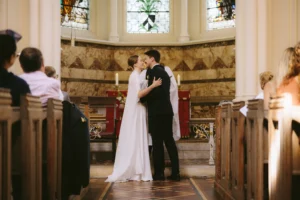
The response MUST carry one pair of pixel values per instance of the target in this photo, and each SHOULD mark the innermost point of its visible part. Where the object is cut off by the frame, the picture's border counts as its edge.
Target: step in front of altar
(186, 150)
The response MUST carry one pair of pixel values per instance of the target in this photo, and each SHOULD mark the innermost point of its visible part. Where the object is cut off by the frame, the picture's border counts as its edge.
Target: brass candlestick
(117, 87)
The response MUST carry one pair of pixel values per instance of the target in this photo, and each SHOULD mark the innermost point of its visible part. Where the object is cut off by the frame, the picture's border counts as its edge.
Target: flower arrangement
(121, 97)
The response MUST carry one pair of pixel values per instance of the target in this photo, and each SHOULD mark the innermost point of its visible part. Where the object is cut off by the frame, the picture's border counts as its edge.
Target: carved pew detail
(218, 145)
(238, 151)
(225, 147)
(31, 113)
(5, 144)
(54, 148)
(255, 149)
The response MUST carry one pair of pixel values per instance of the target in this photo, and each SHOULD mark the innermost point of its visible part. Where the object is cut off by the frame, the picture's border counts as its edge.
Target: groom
(160, 118)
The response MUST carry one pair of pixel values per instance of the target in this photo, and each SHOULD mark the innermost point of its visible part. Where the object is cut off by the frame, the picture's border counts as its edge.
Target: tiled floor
(186, 189)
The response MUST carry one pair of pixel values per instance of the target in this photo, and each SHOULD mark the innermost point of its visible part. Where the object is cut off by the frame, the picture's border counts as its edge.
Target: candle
(117, 79)
(73, 42)
(178, 79)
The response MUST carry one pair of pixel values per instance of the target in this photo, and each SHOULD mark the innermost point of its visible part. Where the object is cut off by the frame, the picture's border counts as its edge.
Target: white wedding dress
(132, 157)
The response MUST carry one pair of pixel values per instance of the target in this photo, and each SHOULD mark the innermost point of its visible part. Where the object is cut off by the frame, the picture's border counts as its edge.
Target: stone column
(250, 65)
(184, 36)
(114, 36)
(239, 50)
(247, 49)
(49, 33)
(262, 40)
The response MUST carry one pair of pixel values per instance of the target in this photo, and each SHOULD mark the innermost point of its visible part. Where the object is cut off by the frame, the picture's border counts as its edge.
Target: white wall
(38, 21)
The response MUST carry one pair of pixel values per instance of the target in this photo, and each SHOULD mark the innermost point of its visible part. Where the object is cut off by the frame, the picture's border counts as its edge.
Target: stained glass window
(74, 13)
(148, 16)
(220, 14)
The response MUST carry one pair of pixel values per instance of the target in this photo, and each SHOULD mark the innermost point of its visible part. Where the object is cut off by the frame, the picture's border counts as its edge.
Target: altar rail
(251, 162)
(31, 115)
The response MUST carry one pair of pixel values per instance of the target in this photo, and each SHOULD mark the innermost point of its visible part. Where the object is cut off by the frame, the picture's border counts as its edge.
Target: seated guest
(290, 82)
(268, 86)
(17, 86)
(8, 56)
(32, 63)
(264, 78)
(51, 72)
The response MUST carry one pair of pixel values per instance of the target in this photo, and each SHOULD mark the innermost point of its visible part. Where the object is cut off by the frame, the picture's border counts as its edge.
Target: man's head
(152, 58)
(31, 60)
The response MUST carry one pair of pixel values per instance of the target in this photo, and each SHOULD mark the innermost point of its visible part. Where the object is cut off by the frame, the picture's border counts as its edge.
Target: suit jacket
(75, 150)
(16, 85)
(158, 100)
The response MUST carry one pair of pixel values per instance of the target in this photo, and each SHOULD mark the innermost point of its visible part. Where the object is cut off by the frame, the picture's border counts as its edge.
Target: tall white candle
(178, 79)
(117, 79)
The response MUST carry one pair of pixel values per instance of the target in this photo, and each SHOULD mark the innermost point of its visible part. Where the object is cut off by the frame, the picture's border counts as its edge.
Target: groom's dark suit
(160, 119)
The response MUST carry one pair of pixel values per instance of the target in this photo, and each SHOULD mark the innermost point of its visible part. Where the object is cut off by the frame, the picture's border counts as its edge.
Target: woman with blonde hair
(290, 82)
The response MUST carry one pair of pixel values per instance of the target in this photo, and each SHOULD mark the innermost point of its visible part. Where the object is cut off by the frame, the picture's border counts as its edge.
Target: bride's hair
(132, 60)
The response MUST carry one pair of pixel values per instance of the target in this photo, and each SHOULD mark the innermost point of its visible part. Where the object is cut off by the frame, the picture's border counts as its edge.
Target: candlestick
(117, 79)
(178, 79)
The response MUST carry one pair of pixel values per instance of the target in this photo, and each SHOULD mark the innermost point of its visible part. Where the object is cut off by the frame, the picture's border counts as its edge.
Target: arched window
(148, 16)
(220, 14)
(74, 13)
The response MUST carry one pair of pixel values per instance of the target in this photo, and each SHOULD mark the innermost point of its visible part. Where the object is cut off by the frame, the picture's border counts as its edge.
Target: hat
(12, 33)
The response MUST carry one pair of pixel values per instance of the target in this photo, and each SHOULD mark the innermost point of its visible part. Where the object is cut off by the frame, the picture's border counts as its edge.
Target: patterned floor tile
(187, 189)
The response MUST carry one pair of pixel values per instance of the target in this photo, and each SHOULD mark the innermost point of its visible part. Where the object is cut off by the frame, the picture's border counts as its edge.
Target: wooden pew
(284, 155)
(223, 187)
(31, 116)
(255, 149)
(238, 151)
(5, 144)
(54, 148)
(218, 145)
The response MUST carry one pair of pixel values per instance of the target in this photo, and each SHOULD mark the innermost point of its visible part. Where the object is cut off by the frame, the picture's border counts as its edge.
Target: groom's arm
(155, 92)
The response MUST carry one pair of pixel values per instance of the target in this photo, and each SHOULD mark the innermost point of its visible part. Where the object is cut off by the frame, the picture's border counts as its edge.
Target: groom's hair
(153, 53)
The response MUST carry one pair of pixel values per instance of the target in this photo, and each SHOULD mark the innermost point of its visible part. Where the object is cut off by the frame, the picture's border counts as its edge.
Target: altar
(184, 109)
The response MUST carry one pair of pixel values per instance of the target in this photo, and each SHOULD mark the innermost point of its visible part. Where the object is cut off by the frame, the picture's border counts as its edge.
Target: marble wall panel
(205, 69)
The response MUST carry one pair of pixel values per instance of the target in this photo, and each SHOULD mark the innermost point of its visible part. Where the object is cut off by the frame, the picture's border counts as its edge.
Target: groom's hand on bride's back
(156, 83)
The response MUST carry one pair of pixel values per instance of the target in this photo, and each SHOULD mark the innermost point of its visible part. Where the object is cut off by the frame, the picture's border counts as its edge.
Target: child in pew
(32, 63)
(265, 81)
(51, 73)
(18, 87)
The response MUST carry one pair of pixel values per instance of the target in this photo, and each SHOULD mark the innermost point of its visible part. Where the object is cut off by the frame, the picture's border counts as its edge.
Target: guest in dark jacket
(17, 87)
(75, 151)
(8, 80)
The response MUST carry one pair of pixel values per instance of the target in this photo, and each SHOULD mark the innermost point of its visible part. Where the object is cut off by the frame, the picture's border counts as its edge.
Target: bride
(132, 158)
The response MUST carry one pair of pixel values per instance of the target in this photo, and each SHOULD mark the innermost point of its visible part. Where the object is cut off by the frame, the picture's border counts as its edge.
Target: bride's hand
(156, 83)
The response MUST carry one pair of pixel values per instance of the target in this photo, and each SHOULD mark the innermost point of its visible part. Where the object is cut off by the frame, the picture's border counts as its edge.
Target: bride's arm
(146, 91)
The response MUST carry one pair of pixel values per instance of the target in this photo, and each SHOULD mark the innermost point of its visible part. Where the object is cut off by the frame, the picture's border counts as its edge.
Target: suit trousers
(162, 133)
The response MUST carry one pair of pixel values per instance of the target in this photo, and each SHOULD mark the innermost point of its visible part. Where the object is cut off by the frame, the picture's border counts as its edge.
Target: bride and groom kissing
(153, 90)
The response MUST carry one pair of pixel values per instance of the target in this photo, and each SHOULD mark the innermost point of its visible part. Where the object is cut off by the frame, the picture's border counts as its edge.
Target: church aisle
(187, 189)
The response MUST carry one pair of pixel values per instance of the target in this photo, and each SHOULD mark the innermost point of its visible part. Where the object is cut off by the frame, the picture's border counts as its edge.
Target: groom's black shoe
(158, 177)
(174, 177)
